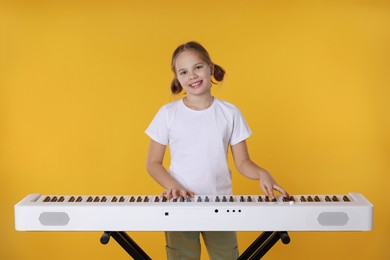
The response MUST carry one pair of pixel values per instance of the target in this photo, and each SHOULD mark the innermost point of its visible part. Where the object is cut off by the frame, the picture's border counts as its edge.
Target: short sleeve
(158, 128)
(241, 130)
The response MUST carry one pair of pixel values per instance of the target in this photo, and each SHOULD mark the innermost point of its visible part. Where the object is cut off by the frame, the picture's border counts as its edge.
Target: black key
(334, 198)
(96, 199)
(303, 199)
(89, 199)
(327, 199)
(47, 199)
(317, 199)
(346, 199)
(71, 199)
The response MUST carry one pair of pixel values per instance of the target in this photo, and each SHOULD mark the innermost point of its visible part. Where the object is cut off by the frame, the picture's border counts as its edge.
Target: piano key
(334, 198)
(47, 199)
(114, 199)
(89, 199)
(317, 199)
(242, 199)
(217, 199)
(79, 199)
(303, 199)
(327, 199)
(345, 198)
(310, 199)
(104, 199)
(249, 199)
(259, 199)
(97, 199)
(71, 199)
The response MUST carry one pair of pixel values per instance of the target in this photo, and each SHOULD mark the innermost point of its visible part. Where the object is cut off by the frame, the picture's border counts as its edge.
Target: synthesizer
(345, 212)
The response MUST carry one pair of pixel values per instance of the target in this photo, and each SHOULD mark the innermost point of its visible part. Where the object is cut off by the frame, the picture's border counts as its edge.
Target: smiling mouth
(196, 84)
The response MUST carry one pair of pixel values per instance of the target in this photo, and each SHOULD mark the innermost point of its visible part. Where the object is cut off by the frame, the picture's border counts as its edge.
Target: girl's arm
(251, 170)
(154, 165)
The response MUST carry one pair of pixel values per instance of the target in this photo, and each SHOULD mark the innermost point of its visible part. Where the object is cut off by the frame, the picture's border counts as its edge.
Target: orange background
(81, 80)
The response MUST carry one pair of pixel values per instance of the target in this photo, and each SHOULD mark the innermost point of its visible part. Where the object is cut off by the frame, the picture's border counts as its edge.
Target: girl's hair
(218, 71)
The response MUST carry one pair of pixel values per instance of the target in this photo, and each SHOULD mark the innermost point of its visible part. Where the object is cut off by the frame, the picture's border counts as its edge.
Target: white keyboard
(349, 212)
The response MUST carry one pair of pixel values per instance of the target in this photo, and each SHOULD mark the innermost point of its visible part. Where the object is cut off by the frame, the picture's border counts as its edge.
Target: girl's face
(193, 73)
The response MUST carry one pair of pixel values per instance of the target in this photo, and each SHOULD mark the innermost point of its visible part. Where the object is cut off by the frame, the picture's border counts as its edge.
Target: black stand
(128, 244)
(264, 243)
(254, 252)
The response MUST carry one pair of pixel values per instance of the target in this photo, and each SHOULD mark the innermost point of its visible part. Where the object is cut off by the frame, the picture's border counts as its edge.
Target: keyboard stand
(254, 252)
(128, 244)
(263, 243)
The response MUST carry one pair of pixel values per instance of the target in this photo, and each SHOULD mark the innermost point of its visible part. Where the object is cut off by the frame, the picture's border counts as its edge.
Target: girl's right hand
(174, 193)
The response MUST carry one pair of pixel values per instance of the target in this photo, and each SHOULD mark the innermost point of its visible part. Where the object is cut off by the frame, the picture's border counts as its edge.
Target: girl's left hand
(268, 185)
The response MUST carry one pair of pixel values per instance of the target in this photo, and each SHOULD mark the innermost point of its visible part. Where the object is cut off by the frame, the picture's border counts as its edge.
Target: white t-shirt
(198, 142)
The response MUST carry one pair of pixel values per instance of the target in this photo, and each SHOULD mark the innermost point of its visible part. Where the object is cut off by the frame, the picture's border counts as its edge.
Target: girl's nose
(193, 75)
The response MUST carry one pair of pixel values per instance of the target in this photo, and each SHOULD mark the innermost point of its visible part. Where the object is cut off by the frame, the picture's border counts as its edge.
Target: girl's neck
(198, 103)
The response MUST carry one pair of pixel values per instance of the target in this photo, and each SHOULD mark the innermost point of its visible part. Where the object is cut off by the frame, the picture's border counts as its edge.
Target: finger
(264, 189)
(271, 193)
(281, 190)
(175, 193)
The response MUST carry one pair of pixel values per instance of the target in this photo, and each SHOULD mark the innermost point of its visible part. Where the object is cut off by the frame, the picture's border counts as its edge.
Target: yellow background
(81, 80)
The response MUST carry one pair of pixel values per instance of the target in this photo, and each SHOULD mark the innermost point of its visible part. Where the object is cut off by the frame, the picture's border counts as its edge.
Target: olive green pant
(221, 245)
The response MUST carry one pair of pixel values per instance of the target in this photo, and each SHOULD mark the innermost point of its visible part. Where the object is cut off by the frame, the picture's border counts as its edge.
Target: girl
(199, 128)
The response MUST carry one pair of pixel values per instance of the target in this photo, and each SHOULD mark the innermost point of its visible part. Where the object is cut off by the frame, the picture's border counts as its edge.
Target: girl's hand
(268, 185)
(174, 193)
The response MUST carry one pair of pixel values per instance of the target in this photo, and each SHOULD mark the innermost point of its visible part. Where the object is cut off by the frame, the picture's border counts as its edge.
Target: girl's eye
(198, 67)
(182, 73)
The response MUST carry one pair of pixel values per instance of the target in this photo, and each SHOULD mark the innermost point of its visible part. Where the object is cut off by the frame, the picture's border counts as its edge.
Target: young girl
(199, 128)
